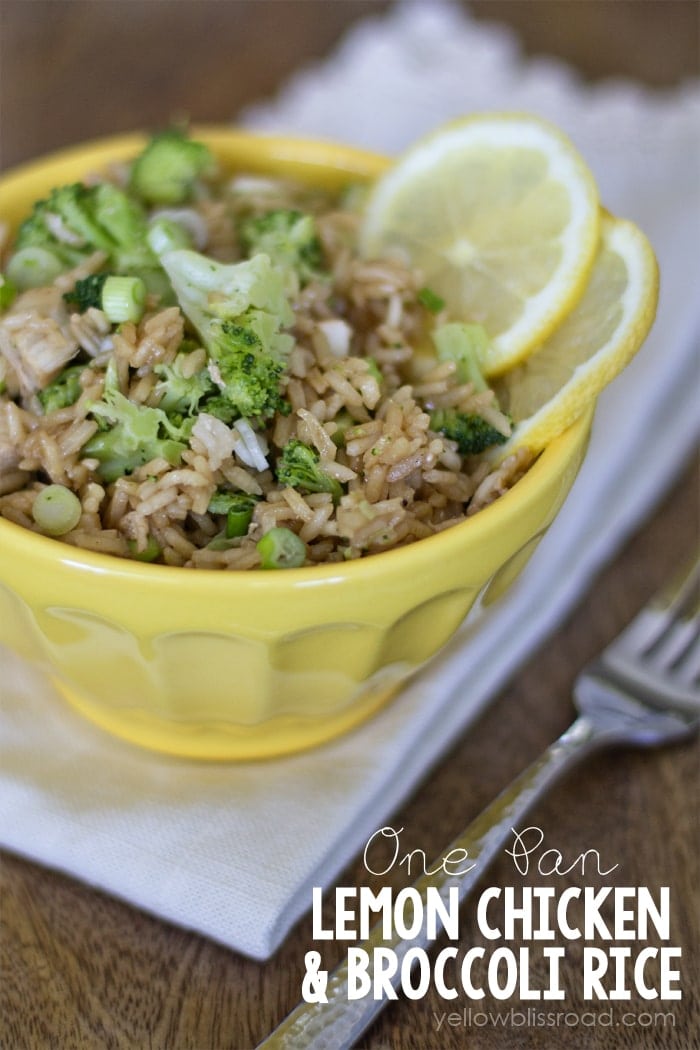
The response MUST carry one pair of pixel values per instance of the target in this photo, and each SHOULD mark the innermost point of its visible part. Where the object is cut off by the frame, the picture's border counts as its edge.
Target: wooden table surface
(81, 970)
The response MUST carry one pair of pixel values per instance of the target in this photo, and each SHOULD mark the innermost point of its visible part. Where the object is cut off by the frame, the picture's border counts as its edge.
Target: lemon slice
(500, 215)
(593, 344)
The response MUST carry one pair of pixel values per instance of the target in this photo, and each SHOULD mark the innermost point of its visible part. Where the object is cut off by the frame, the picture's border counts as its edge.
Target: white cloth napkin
(233, 850)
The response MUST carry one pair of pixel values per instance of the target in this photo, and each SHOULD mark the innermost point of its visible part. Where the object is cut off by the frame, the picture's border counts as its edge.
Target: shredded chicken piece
(35, 338)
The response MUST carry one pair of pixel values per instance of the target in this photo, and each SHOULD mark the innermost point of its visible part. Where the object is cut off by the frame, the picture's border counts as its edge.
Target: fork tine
(678, 625)
(671, 645)
(651, 629)
(658, 654)
(682, 594)
(688, 665)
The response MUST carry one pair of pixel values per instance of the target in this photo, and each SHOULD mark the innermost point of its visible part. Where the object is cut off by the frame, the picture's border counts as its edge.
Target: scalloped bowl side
(248, 665)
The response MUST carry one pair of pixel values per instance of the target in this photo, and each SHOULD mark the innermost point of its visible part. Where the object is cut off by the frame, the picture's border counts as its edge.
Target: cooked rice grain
(368, 420)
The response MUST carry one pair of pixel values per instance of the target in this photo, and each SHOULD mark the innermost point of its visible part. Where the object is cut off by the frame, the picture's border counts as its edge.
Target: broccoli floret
(68, 221)
(124, 221)
(289, 238)
(432, 302)
(238, 508)
(471, 432)
(222, 408)
(181, 394)
(76, 220)
(47, 254)
(86, 293)
(208, 290)
(132, 435)
(466, 345)
(168, 168)
(250, 374)
(63, 391)
(238, 310)
(298, 467)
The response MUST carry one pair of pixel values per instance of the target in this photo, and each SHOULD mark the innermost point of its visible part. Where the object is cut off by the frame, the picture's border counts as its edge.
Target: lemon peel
(554, 386)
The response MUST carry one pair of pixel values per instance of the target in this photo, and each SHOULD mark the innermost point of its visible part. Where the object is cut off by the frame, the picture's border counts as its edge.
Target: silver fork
(643, 690)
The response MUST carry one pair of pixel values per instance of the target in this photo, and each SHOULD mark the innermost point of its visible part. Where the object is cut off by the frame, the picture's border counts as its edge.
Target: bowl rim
(319, 152)
(45, 551)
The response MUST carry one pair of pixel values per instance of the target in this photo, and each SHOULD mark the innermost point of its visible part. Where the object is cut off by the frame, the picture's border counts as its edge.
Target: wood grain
(82, 970)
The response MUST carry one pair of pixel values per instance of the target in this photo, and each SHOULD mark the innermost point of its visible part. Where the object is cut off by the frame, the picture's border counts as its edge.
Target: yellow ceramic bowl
(249, 665)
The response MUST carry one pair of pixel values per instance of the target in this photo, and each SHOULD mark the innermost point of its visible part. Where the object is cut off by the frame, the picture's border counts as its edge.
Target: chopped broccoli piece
(298, 467)
(63, 391)
(430, 300)
(123, 220)
(471, 432)
(238, 508)
(76, 220)
(238, 310)
(69, 216)
(250, 373)
(220, 407)
(208, 290)
(132, 435)
(181, 394)
(168, 168)
(86, 293)
(289, 238)
(466, 345)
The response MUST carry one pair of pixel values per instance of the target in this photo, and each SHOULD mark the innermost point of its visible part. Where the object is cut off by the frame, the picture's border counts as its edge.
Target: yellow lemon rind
(590, 378)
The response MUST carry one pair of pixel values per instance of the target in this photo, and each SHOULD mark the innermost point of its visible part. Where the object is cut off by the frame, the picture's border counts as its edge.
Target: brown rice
(356, 360)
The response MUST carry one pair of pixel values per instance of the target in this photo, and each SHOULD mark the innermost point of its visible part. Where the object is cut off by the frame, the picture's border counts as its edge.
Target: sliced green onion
(238, 508)
(56, 510)
(237, 522)
(33, 267)
(220, 543)
(8, 291)
(166, 235)
(281, 548)
(430, 300)
(124, 299)
(157, 284)
(150, 552)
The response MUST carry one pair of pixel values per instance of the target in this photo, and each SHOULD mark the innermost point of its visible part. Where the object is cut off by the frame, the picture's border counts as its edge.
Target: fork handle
(338, 1023)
